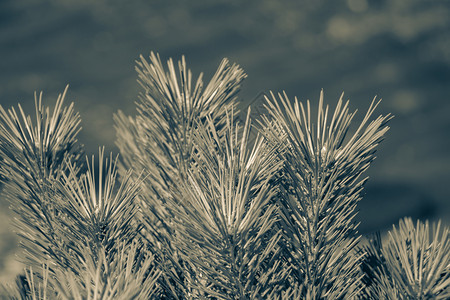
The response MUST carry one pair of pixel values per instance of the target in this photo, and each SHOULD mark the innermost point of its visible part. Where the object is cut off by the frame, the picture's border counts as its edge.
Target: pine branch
(226, 220)
(169, 107)
(414, 262)
(159, 141)
(99, 215)
(65, 219)
(200, 207)
(320, 188)
(34, 157)
(129, 275)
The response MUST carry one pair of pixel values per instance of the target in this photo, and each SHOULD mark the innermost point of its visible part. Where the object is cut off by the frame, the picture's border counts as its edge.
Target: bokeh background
(398, 50)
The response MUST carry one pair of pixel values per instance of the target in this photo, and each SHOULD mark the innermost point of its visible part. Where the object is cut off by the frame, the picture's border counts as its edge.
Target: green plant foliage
(198, 206)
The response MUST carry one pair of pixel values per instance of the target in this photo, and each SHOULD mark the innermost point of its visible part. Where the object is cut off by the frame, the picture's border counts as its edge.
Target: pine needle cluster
(201, 204)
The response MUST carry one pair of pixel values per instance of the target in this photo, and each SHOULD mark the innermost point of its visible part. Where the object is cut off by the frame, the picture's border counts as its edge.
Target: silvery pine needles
(195, 207)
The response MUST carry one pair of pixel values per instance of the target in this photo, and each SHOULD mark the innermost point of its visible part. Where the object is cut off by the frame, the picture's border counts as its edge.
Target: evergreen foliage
(320, 188)
(412, 264)
(201, 205)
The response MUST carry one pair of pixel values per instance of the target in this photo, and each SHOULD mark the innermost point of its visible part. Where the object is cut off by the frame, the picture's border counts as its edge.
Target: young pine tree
(202, 205)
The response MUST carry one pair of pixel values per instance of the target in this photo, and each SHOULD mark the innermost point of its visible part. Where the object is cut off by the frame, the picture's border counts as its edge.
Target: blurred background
(397, 50)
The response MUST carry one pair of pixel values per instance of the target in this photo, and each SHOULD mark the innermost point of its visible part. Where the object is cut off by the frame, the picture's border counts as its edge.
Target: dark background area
(398, 50)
